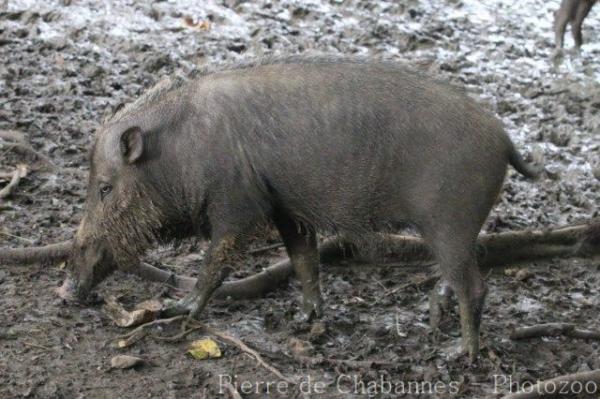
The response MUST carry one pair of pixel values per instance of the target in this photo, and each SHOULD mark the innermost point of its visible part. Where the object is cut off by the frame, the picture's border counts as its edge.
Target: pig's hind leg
(583, 9)
(301, 244)
(455, 252)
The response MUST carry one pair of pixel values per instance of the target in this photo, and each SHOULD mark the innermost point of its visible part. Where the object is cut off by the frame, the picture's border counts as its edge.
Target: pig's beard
(131, 227)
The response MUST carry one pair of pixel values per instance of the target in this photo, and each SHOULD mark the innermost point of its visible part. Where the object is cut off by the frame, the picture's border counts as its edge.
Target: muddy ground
(65, 65)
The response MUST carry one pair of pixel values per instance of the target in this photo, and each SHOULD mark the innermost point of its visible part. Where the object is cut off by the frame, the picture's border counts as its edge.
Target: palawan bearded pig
(308, 144)
(573, 12)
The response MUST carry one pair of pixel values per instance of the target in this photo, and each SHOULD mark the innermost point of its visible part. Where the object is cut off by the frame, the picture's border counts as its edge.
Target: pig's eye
(104, 190)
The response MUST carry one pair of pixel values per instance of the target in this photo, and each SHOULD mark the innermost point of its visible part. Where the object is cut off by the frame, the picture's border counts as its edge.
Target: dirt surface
(65, 65)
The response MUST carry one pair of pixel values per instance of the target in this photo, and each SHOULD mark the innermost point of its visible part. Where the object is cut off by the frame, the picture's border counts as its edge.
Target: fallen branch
(16, 141)
(48, 254)
(553, 330)
(6, 175)
(494, 250)
(19, 173)
(560, 387)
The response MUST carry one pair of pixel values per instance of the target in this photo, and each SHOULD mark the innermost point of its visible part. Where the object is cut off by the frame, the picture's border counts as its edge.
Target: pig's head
(122, 216)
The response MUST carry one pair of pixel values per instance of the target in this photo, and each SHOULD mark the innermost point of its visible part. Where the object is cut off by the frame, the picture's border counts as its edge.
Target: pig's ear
(131, 144)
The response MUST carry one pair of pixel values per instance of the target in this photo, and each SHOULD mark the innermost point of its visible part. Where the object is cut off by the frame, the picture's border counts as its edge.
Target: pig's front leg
(220, 260)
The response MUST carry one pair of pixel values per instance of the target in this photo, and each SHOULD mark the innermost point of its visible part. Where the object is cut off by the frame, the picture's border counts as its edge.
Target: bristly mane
(171, 83)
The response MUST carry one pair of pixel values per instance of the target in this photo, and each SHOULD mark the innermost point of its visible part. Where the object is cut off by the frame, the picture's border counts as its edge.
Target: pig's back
(343, 142)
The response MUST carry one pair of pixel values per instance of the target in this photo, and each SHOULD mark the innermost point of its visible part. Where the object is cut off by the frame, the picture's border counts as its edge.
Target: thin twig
(19, 173)
(179, 336)
(266, 248)
(33, 345)
(27, 240)
(26, 148)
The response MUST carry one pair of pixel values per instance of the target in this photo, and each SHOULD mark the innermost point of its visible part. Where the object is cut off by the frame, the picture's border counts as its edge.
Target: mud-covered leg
(301, 246)
(583, 9)
(470, 289)
(458, 264)
(220, 260)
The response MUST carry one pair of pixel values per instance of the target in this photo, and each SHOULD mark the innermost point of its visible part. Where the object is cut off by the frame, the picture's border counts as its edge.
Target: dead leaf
(145, 312)
(205, 349)
(200, 24)
(523, 274)
(125, 362)
(300, 347)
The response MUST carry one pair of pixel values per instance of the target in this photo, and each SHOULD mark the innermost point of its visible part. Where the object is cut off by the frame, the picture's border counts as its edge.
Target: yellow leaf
(204, 349)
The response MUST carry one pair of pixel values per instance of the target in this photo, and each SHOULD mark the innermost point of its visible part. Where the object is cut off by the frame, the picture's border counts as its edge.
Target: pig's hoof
(312, 310)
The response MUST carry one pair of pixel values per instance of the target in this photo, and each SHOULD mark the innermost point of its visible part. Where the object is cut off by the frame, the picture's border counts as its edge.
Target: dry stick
(179, 336)
(266, 248)
(34, 345)
(19, 173)
(245, 348)
(16, 141)
(571, 384)
(553, 330)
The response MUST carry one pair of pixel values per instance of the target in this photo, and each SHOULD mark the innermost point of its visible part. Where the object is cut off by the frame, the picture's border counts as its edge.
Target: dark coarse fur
(244, 138)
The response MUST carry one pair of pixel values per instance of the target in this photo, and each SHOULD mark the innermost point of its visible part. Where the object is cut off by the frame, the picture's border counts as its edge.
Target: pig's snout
(68, 290)
(89, 264)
